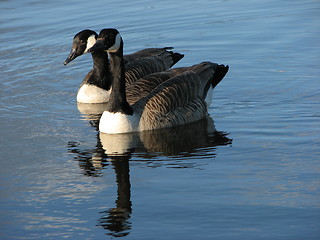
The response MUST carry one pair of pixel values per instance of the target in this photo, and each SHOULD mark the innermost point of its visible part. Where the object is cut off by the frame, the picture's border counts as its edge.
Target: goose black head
(109, 40)
(82, 41)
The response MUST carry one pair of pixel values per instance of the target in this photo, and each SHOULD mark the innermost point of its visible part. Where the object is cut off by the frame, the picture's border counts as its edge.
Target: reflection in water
(91, 161)
(92, 112)
(184, 141)
(116, 220)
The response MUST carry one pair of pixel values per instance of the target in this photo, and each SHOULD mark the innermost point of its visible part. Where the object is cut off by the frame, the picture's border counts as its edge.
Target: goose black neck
(100, 70)
(118, 101)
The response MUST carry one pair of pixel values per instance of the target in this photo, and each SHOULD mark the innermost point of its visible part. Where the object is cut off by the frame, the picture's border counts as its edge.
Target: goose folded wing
(147, 52)
(177, 101)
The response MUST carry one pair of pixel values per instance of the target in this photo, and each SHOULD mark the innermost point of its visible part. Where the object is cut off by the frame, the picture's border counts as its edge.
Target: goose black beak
(73, 54)
(98, 46)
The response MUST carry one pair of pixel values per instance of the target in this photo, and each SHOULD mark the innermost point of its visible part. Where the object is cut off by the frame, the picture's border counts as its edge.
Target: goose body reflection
(181, 140)
(91, 112)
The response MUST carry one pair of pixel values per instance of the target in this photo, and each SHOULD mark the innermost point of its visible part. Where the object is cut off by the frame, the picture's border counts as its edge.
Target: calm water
(256, 178)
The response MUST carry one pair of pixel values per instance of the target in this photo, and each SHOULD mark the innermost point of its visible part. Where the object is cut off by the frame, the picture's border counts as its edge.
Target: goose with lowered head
(177, 101)
(96, 86)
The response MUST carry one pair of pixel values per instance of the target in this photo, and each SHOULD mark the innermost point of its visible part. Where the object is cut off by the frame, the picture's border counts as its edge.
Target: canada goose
(96, 86)
(177, 101)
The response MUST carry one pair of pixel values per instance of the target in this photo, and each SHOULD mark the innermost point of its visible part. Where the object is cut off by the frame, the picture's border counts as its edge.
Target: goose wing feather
(142, 87)
(140, 68)
(147, 52)
(179, 100)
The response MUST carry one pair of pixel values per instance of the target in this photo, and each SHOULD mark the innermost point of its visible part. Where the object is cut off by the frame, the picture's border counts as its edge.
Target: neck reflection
(116, 220)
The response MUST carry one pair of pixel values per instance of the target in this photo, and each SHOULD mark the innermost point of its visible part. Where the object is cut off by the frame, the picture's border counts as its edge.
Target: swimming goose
(96, 86)
(177, 101)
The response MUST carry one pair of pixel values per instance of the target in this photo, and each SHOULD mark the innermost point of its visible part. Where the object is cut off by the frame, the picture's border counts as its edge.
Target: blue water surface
(256, 177)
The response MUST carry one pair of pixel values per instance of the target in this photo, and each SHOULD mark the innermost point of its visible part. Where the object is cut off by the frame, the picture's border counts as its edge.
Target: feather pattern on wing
(177, 101)
(140, 68)
(147, 52)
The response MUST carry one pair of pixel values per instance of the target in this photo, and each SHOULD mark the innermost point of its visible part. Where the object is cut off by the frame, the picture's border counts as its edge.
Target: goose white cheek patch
(116, 45)
(91, 41)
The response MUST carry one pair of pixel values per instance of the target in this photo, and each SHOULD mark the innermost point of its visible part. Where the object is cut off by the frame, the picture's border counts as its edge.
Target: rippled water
(256, 177)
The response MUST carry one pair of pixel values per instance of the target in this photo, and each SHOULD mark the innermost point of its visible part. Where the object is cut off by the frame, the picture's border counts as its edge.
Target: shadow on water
(118, 149)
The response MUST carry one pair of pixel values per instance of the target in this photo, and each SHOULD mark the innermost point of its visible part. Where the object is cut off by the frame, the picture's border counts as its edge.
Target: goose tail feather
(220, 72)
(176, 57)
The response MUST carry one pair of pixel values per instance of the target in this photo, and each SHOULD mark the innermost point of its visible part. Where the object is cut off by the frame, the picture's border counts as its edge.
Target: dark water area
(249, 171)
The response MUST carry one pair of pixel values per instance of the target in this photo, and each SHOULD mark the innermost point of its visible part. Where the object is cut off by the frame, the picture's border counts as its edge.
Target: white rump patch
(116, 45)
(90, 42)
(89, 93)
